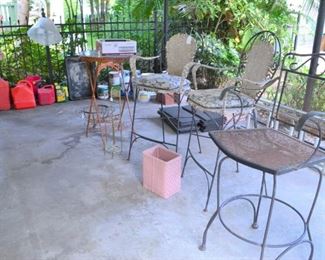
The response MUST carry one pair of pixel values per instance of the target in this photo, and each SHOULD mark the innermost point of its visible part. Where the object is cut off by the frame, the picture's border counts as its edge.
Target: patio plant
(28, 57)
(229, 20)
(293, 94)
(223, 27)
(214, 52)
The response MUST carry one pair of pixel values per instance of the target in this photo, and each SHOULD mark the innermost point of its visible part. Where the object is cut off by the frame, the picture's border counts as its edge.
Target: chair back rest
(289, 97)
(180, 50)
(259, 62)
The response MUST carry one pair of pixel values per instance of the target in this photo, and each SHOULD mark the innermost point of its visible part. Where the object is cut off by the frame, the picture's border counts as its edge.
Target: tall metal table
(95, 64)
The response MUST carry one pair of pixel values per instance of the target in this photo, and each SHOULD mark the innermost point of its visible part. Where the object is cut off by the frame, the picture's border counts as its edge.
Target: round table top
(94, 56)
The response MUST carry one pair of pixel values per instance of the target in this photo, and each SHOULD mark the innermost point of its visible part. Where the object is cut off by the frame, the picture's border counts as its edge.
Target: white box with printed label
(116, 46)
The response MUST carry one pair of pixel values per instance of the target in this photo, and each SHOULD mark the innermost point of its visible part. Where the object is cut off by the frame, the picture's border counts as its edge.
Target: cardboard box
(116, 46)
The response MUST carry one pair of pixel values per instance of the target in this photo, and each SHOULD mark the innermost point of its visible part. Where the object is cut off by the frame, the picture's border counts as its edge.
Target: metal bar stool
(274, 153)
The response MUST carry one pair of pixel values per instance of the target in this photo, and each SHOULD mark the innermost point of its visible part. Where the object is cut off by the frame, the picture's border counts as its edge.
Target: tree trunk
(69, 7)
(106, 6)
(23, 11)
(92, 10)
(48, 8)
(308, 99)
(97, 7)
(81, 5)
(322, 46)
(102, 8)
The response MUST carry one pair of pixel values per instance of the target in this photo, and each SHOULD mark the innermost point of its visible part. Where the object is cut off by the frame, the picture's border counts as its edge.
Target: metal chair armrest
(308, 116)
(300, 124)
(186, 70)
(227, 89)
(261, 85)
(199, 65)
(133, 62)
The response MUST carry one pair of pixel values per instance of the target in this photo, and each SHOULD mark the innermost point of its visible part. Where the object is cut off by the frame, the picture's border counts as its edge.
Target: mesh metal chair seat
(266, 149)
(275, 153)
(180, 52)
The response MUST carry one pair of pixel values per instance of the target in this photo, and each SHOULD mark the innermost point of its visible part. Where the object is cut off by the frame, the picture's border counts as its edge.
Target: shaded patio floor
(61, 197)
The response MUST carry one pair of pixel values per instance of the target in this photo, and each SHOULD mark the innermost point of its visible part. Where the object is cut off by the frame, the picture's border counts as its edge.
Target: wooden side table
(95, 64)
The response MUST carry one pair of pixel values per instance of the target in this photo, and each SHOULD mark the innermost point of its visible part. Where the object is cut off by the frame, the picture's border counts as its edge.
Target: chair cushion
(265, 149)
(208, 99)
(161, 82)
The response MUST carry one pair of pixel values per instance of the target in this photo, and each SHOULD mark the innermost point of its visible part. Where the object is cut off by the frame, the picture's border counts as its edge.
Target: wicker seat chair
(258, 65)
(180, 52)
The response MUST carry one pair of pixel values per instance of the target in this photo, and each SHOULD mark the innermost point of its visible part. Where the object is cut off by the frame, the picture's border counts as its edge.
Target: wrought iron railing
(22, 56)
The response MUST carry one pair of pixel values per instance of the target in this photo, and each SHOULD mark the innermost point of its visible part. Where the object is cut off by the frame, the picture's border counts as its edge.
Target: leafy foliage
(224, 25)
(222, 28)
(216, 52)
(23, 57)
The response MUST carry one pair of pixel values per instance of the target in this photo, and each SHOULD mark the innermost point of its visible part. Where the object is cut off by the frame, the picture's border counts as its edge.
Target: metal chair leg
(133, 122)
(255, 225)
(197, 137)
(268, 222)
(254, 118)
(314, 200)
(188, 146)
(162, 123)
(205, 234)
(178, 114)
(212, 181)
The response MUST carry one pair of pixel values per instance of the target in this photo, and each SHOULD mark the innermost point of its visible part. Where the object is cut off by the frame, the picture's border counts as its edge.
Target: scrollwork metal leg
(268, 222)
(314, 200)
(254, 118)
(212, 181)
(255, 225)
(205, 234)
(188, 146)
(133, 122)
(295, 245)
(178, 114)
(162, 124)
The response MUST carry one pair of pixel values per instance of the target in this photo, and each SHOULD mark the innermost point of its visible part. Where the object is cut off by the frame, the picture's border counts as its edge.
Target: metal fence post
(48, 57)
(165, 34)
(157, 64)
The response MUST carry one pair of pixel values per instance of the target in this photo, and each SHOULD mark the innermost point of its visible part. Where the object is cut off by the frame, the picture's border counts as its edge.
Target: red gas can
(4, 95)
(46, 95)
(35, 80)
(23, 95)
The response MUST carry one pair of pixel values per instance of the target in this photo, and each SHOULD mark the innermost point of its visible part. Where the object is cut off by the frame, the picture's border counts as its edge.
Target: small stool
(271, 152)
(107, 117)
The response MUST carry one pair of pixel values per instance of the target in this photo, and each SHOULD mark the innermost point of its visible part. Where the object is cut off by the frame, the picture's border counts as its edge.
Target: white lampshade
(44, 32)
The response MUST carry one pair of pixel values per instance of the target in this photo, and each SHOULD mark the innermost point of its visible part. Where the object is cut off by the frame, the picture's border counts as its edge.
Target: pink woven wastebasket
(162, 171)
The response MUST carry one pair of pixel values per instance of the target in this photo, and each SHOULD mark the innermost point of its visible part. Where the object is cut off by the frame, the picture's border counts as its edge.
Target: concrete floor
(61, 197)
